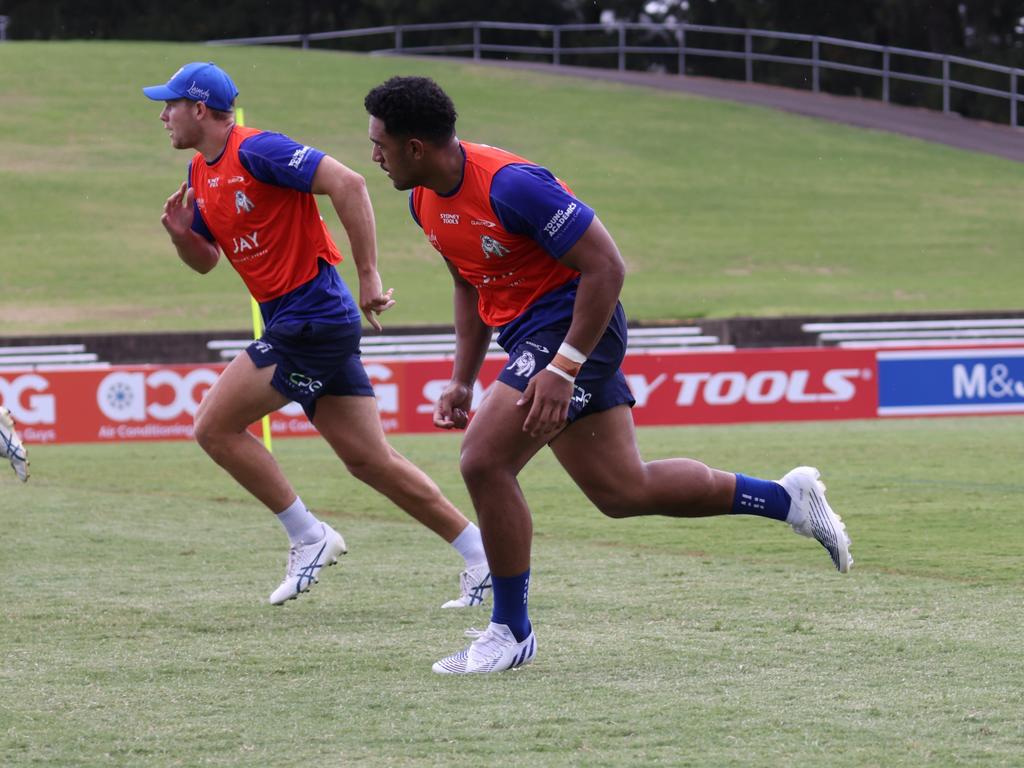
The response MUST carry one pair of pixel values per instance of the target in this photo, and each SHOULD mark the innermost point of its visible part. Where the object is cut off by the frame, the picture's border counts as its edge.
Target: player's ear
(416, 149)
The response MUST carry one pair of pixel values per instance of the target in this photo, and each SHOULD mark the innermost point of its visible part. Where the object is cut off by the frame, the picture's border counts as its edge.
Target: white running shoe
(494, 650)
(474, 586)
(811, 516)
(305, 562)
(11, 447)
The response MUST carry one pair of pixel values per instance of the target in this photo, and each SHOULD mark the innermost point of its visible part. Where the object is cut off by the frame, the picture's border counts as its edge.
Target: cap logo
(196, 93)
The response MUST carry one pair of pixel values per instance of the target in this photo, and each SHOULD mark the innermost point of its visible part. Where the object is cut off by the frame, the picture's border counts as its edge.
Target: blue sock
(760, 497)
(510, 597)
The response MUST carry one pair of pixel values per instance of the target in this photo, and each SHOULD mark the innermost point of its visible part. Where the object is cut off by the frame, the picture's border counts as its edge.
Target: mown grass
(136, 633)
(719, 209)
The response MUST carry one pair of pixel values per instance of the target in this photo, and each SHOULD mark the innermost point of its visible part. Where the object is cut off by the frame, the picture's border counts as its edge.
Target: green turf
(135, 630)
(719, 209)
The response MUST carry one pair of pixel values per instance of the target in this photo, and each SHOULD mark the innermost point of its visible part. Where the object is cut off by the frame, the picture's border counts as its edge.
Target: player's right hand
(177, 216)
(452, 408)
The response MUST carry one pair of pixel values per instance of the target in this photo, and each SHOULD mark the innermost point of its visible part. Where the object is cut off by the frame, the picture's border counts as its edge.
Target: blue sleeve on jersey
(198, 223)
(273, 158)
(529, 201)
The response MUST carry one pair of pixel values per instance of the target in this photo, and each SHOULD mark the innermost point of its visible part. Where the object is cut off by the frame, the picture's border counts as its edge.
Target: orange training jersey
(272, 235)
(510, 269)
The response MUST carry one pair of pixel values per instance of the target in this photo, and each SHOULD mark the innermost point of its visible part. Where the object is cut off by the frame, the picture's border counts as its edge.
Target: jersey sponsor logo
(449, 218)
(236, 179)
(242, 203)
(524, 365)
(558, 220)
(198, 94)
(298, 156)
(483, 223)
(245, 243)
(213, 182)
(432, 237)
(492, 247)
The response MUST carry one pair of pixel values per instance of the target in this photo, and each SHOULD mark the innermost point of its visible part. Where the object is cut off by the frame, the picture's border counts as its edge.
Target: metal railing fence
(618, 41)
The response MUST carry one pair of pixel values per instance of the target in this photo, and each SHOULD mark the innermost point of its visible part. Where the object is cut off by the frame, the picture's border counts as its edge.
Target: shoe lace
(293, 562)
(485, 641)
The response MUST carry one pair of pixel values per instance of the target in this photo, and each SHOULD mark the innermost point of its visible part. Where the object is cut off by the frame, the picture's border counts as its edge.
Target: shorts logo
(539, 347)
(262, 347)
(242, 203)
(524, 365)
(492, 247)
(303, 383)
(580, 396)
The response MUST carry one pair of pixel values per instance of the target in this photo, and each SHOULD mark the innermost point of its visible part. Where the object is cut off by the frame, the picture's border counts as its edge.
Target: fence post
(945, 84)
(398, 39)
(682, 51)
(1013, 98)
(476, 41)
(556, 47)
(885, 74)
(622, 47)
(815, 66)
(748, 45)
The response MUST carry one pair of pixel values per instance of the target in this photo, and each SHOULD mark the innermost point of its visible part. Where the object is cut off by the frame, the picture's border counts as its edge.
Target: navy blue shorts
(600, 384)
(313, 361)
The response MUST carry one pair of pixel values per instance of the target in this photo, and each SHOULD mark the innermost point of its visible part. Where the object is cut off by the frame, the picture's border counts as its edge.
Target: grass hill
(718, 208)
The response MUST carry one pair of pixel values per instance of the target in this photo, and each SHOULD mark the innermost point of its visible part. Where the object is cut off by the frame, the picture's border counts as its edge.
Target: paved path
(926, 124)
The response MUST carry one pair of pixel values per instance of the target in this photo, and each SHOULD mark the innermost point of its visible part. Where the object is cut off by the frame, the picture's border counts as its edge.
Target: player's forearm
(197, 252)
(596, 299)
(355, 211)
(472, 336)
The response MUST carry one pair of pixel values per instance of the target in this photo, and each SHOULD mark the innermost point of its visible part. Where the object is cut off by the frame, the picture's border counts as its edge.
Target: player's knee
(477, 469)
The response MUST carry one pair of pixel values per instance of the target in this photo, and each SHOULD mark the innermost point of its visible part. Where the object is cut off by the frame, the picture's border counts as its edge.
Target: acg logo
(36, 408)
(125, 396)
(767, 387)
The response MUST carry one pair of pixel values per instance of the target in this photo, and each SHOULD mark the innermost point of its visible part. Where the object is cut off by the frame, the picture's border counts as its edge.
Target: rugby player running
(250, 194)
(532, 260)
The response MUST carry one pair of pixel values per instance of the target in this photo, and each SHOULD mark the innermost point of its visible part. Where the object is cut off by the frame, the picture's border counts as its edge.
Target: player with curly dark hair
(531, 259)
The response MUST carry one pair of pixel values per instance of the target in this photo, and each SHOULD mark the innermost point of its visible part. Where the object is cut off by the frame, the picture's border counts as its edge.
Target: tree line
(989, 30)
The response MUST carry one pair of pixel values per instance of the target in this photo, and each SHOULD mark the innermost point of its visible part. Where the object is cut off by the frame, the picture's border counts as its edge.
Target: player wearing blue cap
(250, 194)
(534, 261)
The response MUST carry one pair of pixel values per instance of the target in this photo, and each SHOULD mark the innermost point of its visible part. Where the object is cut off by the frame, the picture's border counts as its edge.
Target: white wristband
(569, 351)
(556, 370)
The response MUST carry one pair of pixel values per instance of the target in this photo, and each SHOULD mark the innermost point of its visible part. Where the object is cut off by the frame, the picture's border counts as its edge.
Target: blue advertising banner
(923, 382)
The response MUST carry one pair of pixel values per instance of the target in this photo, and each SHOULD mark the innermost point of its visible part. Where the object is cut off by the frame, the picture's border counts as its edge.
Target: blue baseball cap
(199, 81)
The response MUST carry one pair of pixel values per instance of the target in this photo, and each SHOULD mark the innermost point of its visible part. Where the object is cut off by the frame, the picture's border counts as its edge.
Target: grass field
(719, 209)
(135, 630)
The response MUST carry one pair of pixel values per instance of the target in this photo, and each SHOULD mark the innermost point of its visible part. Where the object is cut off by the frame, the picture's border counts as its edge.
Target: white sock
(470, 546)
(301, 524)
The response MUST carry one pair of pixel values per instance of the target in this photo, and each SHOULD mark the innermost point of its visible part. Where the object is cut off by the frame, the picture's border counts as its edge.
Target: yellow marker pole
(257, 318)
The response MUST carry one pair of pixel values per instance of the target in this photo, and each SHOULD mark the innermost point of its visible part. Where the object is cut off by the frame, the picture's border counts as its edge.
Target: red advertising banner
(118, 403)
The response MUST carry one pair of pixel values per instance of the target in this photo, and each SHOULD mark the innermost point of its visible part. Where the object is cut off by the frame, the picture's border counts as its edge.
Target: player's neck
(211, 146)
(451, 162)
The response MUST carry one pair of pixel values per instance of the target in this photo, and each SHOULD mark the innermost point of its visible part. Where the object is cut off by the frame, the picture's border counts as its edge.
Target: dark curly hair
(413, 107)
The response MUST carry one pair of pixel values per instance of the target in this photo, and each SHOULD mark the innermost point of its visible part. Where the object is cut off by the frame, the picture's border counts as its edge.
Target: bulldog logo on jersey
(492, 247)
(523, 365)
(242, 203)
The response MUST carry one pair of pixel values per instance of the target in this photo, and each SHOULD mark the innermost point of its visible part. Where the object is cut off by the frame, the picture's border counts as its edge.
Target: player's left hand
(547, 396)
(373, 299)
